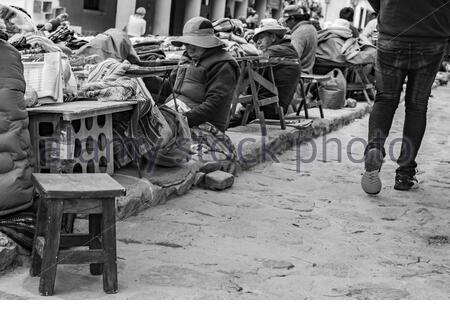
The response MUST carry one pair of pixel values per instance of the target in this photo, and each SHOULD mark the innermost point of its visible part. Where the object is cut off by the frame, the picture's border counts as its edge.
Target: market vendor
(269, 39)
(206, 77)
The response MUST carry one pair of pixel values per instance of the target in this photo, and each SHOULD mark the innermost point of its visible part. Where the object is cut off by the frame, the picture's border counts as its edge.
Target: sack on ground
(332, 93)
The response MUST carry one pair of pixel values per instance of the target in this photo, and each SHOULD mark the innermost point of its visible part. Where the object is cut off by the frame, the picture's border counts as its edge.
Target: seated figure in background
(304, 35)
(348, 14)
(202, 87)
(269, 38)
(205, 80)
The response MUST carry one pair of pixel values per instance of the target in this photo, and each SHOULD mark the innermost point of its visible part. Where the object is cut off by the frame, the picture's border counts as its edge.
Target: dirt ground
(280, 233)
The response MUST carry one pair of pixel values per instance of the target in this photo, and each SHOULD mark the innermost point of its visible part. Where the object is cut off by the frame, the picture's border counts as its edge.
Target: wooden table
(75, 137)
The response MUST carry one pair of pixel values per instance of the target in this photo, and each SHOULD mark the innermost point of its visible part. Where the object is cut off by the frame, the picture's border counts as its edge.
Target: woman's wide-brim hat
(271, 27)
(199, 32)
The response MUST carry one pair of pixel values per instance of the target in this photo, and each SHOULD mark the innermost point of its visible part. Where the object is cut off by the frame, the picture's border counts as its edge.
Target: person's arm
(375, 5)
(219, 90)
(159, 89)
(144, 26)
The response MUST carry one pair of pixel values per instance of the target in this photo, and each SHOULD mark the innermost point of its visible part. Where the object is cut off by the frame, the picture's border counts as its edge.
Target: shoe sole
(413, 187)
(370, 181)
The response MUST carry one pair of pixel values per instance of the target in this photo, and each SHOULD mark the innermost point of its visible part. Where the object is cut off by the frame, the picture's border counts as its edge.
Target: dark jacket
(16, 188)
(287, 76)
(413, 20)
(209, 88)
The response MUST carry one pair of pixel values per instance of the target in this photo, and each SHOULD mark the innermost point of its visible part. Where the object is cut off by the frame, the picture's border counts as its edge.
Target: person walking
(137, 25)
(412, 42)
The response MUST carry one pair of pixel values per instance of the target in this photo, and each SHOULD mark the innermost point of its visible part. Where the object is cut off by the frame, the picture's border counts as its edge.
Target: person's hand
(39, 41)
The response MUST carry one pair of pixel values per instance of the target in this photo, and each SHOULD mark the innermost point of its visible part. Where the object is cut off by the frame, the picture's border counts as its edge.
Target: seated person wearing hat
(269, 39)
(205, 80)
(304, 35)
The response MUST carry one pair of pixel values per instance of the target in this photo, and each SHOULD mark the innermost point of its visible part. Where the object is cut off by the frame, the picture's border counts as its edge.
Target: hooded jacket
(16, 188)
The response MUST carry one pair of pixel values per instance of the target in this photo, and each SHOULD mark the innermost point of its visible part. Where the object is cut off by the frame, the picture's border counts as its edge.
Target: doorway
(149, 6)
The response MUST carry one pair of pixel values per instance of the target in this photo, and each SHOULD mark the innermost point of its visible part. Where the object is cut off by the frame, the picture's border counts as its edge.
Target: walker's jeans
(396, 60)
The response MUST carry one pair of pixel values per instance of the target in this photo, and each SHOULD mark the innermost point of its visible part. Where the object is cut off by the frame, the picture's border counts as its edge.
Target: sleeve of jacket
(375, 5)
(220, 84)
(299, 44)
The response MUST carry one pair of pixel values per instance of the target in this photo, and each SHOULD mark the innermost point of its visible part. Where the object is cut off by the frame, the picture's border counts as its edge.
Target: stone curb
(252, 149)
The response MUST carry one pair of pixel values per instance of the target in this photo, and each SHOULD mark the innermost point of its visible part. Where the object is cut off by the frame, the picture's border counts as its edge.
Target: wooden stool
(307, 81)
(92, 194)
(251, 77)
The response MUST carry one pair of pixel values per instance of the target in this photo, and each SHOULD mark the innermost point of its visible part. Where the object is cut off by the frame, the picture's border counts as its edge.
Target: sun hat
(141, 11)
(199, 32)
(271, 26)
(295, 10)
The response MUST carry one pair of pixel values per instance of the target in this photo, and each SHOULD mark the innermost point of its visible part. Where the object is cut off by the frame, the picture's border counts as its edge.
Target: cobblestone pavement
(283, 234)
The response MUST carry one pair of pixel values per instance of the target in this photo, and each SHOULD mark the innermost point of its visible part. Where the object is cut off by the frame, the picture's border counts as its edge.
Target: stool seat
(307, 81)
(315, 77)
(77, 186)
(90, 194)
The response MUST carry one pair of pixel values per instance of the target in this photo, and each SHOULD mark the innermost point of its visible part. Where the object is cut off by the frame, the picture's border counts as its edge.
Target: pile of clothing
(337, 44)
(232, 33)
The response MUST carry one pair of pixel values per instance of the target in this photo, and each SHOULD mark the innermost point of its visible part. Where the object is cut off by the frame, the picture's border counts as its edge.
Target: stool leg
(109, 246)
(41, 220)
(51, 247)
(319, 101)
(95, 227)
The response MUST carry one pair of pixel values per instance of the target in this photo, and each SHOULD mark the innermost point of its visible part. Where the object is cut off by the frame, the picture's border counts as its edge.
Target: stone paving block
(219, 180)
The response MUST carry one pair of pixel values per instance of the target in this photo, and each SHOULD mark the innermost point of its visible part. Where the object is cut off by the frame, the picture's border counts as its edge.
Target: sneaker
(370, 181)
(404, 182)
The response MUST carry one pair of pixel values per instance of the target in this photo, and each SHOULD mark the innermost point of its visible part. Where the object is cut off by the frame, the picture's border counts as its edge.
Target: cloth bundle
(337, 44)
(208, 139)
(107, 82)
(19, 227)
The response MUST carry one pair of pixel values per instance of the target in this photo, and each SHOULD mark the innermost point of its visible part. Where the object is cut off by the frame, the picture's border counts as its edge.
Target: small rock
(219, 180)
(8, 251)
(199, 178)
(438, 240)
(210, 166)
(278, 264)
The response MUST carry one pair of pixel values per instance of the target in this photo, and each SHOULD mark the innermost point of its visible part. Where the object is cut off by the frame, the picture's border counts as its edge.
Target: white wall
(161, 19)
(28, 6)
(125, 8)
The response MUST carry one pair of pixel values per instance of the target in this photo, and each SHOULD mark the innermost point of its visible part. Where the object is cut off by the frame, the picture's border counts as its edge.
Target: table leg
(51, 248)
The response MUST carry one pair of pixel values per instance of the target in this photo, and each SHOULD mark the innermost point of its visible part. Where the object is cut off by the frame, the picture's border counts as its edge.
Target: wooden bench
(89, 194)
(75, 137)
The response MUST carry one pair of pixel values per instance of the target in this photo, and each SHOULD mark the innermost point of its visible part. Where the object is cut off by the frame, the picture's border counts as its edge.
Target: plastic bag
(332, 93)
